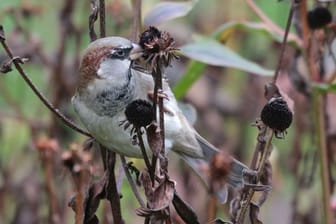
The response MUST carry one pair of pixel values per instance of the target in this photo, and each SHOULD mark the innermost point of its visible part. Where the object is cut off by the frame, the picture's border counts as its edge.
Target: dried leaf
(160, 196)
(6, 67)
(96, 193)
(254, 212)
(158, 199)
(92, 197)
(266, 179)
(184, 210)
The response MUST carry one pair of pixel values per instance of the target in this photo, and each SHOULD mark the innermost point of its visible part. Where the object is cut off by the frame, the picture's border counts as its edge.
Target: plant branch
(131, 182)
(92, 19)
(111, 191)
(144, 153)
(17, 61)
(265, 148)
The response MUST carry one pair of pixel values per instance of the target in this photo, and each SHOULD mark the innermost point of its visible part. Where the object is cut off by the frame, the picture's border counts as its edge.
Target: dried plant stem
(284, 42)
(158, 103)
(158, 84)
(45, 101)
(112, 193)
(80, 196)
(136, 23)
(319, 112)
(92, 19)
(102, 18)
(54, 211)
(143, 150)
(270, 24)
(131, 182)
(265, 149)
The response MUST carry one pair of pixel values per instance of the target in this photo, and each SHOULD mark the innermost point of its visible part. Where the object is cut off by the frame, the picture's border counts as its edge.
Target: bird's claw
(160, 94)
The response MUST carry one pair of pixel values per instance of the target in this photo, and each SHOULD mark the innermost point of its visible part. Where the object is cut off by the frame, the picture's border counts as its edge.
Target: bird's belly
(108, 131)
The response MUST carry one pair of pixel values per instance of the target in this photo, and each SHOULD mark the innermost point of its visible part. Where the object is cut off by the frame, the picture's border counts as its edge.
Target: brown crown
(90, 65)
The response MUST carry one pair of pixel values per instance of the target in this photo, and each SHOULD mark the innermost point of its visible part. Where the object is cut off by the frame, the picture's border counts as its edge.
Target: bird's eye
(118, 53)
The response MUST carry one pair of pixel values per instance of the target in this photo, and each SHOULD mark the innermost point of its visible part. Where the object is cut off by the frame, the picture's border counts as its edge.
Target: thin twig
(131, 182)
(144, 153)
(136, 23)
(274, 27)
(92, 19)
(112, 193)
(16, 62)
(323, 156)
(284, 42)
(102, 18)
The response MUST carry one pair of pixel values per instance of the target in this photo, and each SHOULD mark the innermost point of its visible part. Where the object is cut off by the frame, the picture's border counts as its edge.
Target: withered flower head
(158, 47)
(277, 115)
(318, 17)
(139, 113)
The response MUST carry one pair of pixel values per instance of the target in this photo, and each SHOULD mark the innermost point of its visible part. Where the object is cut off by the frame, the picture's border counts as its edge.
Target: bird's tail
(236, 171)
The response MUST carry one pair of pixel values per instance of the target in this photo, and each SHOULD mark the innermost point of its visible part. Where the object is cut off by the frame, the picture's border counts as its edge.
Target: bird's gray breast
(109, 102)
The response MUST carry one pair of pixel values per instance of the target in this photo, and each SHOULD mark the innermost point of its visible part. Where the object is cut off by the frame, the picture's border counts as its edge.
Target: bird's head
(107, 59)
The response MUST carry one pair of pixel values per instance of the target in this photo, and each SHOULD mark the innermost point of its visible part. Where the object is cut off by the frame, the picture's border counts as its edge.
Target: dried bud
(220, 166)
(276, 114)
(139, 113)
(47, 145)
(318, 17)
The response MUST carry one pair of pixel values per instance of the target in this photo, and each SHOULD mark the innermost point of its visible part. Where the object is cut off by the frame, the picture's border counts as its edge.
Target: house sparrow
(108, 83)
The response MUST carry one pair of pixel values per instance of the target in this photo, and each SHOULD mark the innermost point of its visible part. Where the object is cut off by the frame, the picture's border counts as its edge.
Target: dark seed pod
(318, 17)
(276, 114)
(139, 113)
(149, 40)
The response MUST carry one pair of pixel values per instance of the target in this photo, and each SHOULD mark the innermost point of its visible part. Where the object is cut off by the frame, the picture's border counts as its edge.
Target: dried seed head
(276, 114)
(139, 113)
(318, 17)
(158, 47)
(149, 40)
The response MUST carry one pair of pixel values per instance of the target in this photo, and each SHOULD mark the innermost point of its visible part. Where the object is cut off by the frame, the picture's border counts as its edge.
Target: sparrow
(108, 83)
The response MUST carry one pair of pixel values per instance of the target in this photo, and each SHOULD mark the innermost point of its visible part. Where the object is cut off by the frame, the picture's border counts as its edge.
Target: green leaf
(165, 11)
(209, 51)
(324, 88)
(193, 71)
(212, 52)
(225, 30)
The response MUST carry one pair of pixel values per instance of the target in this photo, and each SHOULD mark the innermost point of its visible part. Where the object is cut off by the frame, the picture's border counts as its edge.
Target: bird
(107, 83)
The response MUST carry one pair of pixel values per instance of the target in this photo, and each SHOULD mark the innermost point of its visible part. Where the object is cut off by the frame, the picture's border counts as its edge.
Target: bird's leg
(162, 95)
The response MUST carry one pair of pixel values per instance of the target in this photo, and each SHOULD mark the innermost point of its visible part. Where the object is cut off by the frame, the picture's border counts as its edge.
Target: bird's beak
(136, 52)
